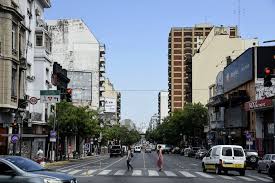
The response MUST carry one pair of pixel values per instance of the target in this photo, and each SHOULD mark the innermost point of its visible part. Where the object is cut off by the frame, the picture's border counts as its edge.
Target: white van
(137, 149)
(225, 158)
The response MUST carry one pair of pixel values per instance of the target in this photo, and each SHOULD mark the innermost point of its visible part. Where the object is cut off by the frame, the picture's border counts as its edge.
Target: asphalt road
(103, 169)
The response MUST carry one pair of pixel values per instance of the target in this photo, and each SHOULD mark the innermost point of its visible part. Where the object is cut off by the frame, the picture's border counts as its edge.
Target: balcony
(45, 3)
(102, 79)
(188, 80)
(102, 60)
(102, 99)
(102, 68)
(102, 89)
(102, 49)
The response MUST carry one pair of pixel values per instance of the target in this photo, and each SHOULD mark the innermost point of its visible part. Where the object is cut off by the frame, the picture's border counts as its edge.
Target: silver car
(265, 162)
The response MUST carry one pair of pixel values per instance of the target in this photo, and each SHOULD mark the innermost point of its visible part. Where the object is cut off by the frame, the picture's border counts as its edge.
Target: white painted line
(137, 173)
(89, 172)
(246, 178)
(104, 172)
(82, 164)
(120, 172)
(226, 177)
(170, 174)
(143, 160)
(194, 164)
(205, 175)
(260, 178)
(153, 173)
(113, 163)
(187, 174)
(74, 172)
(64, 170)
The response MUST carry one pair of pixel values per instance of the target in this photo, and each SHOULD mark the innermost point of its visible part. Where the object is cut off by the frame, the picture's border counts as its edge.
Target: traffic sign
(33, 100)
(14, 138)
(248, 142)
(49, 96)
(52, 136)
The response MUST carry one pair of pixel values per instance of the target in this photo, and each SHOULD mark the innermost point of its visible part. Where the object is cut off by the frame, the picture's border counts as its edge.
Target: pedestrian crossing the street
(156, 173)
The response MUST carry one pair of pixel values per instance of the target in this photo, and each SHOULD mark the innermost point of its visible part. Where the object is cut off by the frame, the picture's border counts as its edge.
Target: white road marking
(120, 172)
(153, 173)
(64, 170)
(260, 178)
(136, 173)
(82, 164)
(246, 178)
(170, 174)
(112, 163)
(226, 177)
(187, 174)
(104, 172)
(89, 172)
(205, 175)
(193, 164)
(74, 172)
(143, 160)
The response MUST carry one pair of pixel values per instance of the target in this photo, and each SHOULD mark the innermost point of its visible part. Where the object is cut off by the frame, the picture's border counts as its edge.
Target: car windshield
(25, 164)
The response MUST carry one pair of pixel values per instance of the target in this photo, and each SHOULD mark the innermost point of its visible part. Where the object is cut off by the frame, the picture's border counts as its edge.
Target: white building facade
(76, 49)
(163, 105)
(211, 58)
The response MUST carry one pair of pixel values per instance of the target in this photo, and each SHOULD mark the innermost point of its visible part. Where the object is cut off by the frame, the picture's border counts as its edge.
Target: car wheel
(225, 172)
(267, 169)
(242, 172)
(218, 170)
(259, 170)
(203, 168)
(110, 155)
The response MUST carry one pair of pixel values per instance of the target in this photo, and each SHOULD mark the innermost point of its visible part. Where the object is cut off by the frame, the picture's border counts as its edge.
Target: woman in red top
(160, 159)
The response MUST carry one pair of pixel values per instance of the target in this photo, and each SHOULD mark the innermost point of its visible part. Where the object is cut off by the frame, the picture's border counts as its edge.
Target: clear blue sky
(136, 33)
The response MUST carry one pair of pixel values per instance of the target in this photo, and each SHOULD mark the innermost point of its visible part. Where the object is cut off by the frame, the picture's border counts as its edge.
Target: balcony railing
(101, 88)
(46, 3)
(102, 59)
(102, 49)
(102, 79)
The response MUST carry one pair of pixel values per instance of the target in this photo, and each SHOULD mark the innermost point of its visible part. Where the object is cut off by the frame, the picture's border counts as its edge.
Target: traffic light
(267, 77)
(69, 94)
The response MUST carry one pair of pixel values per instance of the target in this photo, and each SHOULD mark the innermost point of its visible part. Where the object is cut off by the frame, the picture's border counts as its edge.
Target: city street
(176, 169)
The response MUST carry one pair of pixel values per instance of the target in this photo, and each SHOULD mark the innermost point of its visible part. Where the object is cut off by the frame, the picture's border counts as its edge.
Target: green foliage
(189, 122)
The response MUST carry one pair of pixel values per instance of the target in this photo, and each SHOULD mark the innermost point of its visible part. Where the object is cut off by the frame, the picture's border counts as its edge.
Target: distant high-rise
(162, 105)
(183, 43)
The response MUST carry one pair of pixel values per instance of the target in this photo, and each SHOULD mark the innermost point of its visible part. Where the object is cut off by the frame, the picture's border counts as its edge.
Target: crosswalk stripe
(260, 178)
(89, 172)
(170, 174)
(137, 173)
(104, 172)
(246, 178)
(226, 177)
(187, 174)
(153, 173)
(74, 172)
(120, 172)
(204, 175)
(64, 170)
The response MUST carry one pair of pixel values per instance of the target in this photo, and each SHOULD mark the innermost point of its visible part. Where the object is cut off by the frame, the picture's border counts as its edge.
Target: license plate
(238, 165)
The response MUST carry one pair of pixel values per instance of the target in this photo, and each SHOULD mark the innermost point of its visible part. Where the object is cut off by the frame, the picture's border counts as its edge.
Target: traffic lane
(105, 179)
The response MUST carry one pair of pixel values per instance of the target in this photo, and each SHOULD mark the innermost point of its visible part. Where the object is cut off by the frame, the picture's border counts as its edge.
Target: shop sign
(258, 104)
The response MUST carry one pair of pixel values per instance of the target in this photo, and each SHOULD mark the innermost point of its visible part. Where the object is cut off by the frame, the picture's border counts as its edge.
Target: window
(273, 157)
(177, 74)
(177, 57)
(187, 33)
(48, 44)
(177, 45)
(178, 87)
(238, 152)
(14, 81)
(177, 33)
(227, 151)
(177, 98)
(267, 157)
(177, 63)
(5, 169)
(177, 40)
(14, 36)
(215, 152)
(177, 52)
(39, 40)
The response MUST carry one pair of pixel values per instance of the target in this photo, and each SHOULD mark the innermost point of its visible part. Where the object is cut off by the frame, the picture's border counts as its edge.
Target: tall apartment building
(183, 43)
(77, 49)
(162, 105)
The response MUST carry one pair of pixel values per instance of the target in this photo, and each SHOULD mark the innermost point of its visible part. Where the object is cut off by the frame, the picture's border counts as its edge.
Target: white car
(225, 158)
(137, 149)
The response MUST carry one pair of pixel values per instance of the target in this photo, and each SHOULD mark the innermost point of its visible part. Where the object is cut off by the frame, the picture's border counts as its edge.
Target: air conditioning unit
(31, 77)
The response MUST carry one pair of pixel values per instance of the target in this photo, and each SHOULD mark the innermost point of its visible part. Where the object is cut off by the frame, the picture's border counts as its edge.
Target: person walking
(40, 155)
(129, 158)
(160, 158)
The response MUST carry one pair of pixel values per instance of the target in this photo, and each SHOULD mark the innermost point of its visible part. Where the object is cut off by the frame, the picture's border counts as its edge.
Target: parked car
(193, 151)
(167, 149)
(252, 158)
(137, 149)
(265, 162)
(116, 150)
(225, 158)
(20, 169)
(185, 151)
(271, 171)
(200, 153)
(176, 150)
(148, 150)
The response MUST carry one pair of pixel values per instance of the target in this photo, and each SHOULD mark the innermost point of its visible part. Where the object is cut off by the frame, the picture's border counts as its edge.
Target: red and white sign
(33, 100)
(258, 104)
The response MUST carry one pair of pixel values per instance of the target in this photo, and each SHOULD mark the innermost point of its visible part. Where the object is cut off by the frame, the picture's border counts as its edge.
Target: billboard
(239, 71)
(110, 105)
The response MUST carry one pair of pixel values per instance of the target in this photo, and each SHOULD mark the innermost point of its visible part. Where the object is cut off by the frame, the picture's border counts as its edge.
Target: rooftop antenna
(239, 15)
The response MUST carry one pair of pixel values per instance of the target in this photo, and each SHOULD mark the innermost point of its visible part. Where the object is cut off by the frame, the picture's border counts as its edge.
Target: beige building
(211, 58)
(183, 43)
(112, 103)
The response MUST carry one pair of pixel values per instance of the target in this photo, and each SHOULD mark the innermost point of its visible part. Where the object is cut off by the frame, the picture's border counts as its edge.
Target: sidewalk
(62, 163)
